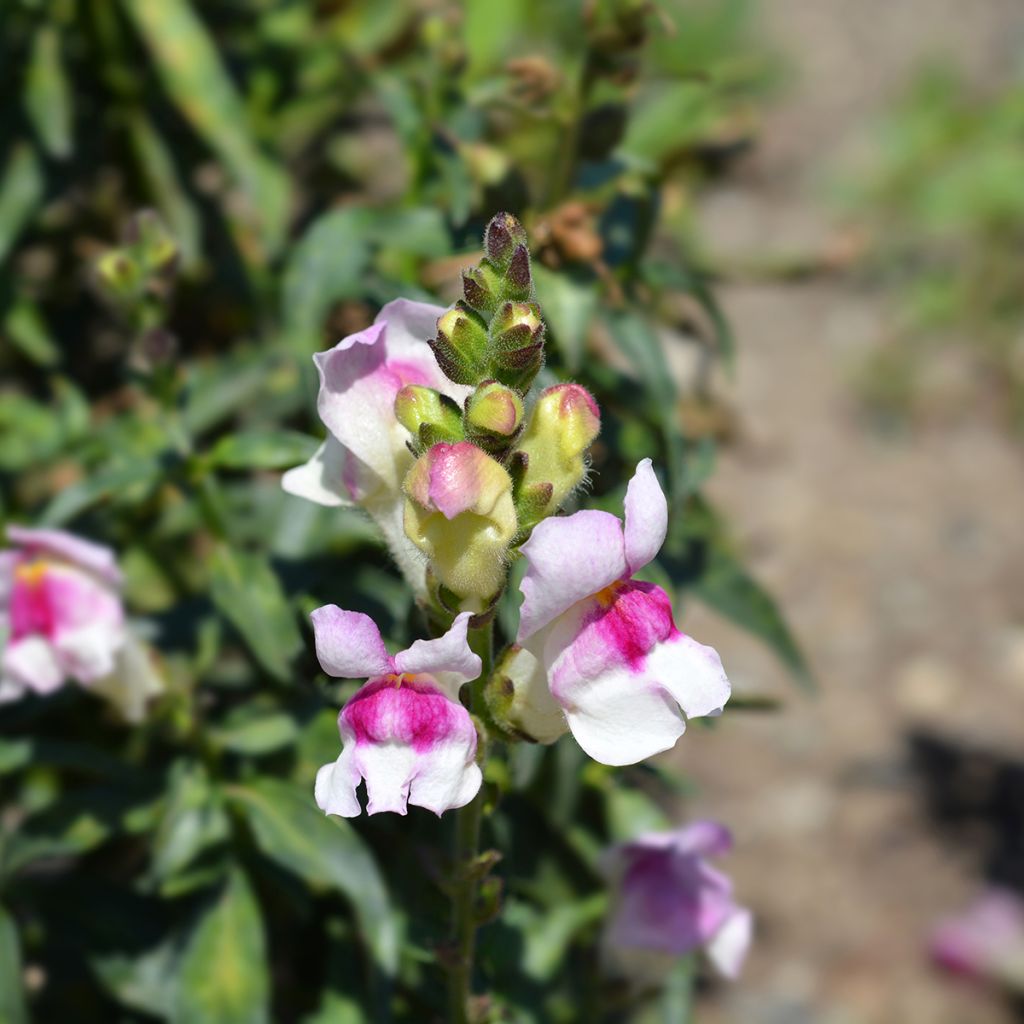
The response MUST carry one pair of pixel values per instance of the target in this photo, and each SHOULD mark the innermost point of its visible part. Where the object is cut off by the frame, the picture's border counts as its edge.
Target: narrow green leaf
(26, 328)
(12, 994)
(139, 476)
(187, 61)
(21, 192)
(223, 978)
(143, 982)
(263, 449)
(324, 851)
(638, 342)
(248, 593)
(193, 820)
(257, 734)
(569, 308)
(47, 94)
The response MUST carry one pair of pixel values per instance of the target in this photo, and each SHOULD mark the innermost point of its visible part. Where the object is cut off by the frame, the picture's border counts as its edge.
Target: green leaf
(47, 95)
(223, 978)
(26, 328)
(137, 477)
(256, 734)
(145, 982)
(263, 449)
(327, 264)
(248, 593)
(638, 342)
(12, 994)
(569, 308)
(21, 192)
(189, 65)
(324, 851)
(547, 934)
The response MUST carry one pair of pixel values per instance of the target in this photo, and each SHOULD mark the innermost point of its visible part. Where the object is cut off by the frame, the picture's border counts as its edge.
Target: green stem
(467, 848)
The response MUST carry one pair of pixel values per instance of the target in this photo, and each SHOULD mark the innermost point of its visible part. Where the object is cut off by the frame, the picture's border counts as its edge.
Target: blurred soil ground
(897, 557)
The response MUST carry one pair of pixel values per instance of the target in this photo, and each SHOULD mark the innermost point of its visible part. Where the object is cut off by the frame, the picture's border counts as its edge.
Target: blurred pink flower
(669, 900)
(405, 732)
(365, 457)
(61, 608)
(986, 942)
(623, 675)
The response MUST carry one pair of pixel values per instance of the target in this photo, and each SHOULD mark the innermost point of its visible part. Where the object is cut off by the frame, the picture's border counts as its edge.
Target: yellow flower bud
(459, 512)
(494, 414)
(564, 423)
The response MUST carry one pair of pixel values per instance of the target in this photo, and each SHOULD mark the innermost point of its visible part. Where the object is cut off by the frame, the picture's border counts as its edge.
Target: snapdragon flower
(61, 610)
(614, 662)
(985, 942)
(668, 899)
(404, 732)
(365, 457)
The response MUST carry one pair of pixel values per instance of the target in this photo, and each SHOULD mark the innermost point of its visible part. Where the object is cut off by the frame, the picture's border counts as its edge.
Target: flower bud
(503, 236)
(519, 700)
(494, 414)
(119, 274)
(461, 345)
(153, 243)
(459, 512)
(564, 423)
(517, 344)
(428, 415)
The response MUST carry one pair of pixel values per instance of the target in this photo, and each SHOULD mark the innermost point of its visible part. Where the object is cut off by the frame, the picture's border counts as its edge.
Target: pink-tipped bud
(494, 414)
(428, 415)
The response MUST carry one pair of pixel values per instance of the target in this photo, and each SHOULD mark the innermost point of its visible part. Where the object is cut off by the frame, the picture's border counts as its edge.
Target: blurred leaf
(21, 192)
(324, 851)
(548, 933)
(639, 343)
(47, 94)
(631, 812)
(248, 593)
(12, 995)
(327, 264)
(193, 820)
(490, 32)
(140, 475)
(256, 734)
(336, 1009)
(665, 120)
(263, 449)
(145, 982)
(569, 308)
(195, 78)
(25, 326)
(223, 977)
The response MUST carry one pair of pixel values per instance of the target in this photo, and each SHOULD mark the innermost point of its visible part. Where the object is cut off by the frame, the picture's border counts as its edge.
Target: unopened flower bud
(517, 344)
(494, 414)
(519, 700)
(564, 423)
(503, 236)
(119, 274)
(428, 415)
(461, 345)
(459, 512)
(153, 243)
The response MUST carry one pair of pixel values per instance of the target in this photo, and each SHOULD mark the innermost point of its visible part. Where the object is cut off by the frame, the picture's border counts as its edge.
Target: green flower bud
(154, 245)
(461, 345)
(517, 344)
(494, 415)
(428, 415)
(119, 274)
(503, 236)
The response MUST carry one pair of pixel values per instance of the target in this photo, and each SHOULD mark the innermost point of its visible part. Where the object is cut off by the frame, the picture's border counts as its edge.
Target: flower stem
(467, 847)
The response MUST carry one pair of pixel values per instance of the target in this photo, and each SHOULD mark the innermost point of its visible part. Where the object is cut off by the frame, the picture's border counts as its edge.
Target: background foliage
(312, 160)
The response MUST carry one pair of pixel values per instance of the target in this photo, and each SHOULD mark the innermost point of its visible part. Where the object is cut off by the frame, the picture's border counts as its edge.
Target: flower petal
(88, 653)
(646, 517)
(532, 710)
(67, 547)
(32, 662)
(388, 513)
(692, 673)
(348, 644)
(132, 683)
(335, 787)
(568, 559)
(449, 654)
(10, 690)
(728, 947)
(322, 479)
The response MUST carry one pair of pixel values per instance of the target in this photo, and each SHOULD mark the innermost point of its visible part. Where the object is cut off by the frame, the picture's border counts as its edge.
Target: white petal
(388, 515)
(568, 559)
(95, 558)
(449, 654)
(322, 479)
(32, 663)
(133, 682)
(349, 644)
(646, 517)
(10, 690)
(728, 949)
(533, 710)
(90, 652)
(335, 788)
(692, 673)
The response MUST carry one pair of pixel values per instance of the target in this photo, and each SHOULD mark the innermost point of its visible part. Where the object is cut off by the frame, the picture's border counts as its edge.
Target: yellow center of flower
(606, 597)
(31, 573)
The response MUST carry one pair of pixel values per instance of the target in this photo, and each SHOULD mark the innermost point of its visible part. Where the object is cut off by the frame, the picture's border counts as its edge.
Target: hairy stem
(467, 847)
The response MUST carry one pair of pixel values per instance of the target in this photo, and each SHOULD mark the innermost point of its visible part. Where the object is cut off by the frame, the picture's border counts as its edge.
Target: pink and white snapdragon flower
(985, 942)
(365, 457)
(61, 610)
(669, 900)
(625, 678)
(405, 731)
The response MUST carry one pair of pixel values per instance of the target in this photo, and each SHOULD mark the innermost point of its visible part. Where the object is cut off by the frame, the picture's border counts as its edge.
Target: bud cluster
(488, 472)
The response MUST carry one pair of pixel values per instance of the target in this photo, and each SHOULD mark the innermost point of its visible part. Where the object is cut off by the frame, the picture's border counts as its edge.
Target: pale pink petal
(568, 559)
(133, 682)
(646, 517)
(67, 547)
(692, 673)
(335, 787)
(728, 948)
(704, 838)
(449, 654)
(88, 653)
(532, 710)
(10, 690)
(74, 600)
(32, 662)
(322, 479)
(348, 644)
